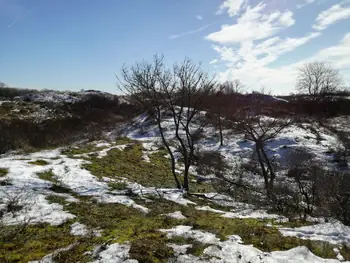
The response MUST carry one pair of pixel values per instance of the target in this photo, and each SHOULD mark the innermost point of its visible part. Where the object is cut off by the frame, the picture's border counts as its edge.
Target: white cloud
(183, 34)
(306, 2)
(281, 80)
(232, 6)
(249, 46)
(339, 54)
(330, 16)
(199, 17)
(252, 25)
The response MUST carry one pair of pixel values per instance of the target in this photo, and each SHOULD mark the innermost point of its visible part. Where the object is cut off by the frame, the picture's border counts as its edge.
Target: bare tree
(318, 78)
(260, 128)
(181, 91)
(232, 87)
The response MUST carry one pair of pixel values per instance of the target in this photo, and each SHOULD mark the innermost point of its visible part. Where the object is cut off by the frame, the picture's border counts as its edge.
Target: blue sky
(81, 44)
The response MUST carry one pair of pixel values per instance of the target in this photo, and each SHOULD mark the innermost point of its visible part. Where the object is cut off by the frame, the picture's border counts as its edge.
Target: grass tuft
(39, 162)
(48, 176)
(24, 243)
(3, 172)
(128, 163)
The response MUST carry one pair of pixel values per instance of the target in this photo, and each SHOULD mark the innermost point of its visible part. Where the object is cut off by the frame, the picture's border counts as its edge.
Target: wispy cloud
(253, 24)
(248, 47)
(330, 16)
(13, 12)
(174, 36)
(199, 17)
(232, 6)
(307, 2)
(12, 23)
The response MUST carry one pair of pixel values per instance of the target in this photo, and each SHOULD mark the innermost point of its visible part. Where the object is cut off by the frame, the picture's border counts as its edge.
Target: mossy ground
(91, 148)
(39, 162)
(3, 172)
(119, 223)
(128, 163)
(48, 176)
(31, 242)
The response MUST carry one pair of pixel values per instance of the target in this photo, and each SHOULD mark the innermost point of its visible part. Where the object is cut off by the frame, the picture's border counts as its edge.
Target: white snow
(233, 251)
(176, 214)
(179, 249)
(115, 253)
(69, 174)
(250, 213)
(243, 213)
(187, 232)
(78, 229)
(335, 232)
(49, 258)
(103, 144)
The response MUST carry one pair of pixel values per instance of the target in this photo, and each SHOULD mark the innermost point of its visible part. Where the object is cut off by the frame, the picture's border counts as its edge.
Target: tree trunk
(186, 184)
(262, 166)
(220, 132)
(173, 168)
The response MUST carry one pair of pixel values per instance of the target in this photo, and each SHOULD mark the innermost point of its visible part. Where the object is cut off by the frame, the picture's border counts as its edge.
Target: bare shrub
(180, 93)
(258, 128)
(318, 78)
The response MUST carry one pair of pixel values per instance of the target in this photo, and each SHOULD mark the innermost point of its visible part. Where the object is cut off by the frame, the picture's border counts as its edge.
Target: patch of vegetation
(48, 176)
(128, 163)
(122, 224)
(57, 199)
(123, 140)
(58, 188)
(32, 242)
(196, 249)
(150, 250)
(3, 172)
(117, 185)
(39, 162)
(77, 253)
(253, 231)
(5, 182)
(82, 149)
(345, 251)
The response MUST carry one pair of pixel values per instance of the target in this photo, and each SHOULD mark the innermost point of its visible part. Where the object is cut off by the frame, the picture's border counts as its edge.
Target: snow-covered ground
(31, 192)
(233, 250)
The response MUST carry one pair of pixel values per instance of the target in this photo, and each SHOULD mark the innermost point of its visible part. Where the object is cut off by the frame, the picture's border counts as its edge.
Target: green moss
(77, 253)
(253, 231)
(122, 224)
(3, 172)
(345, 251)
(123, 140)
(39, 162)
(80, 150)
(128, 163)
(57, 199)
(196, 249)
(60, 189)
(89, 148)
(32, 242)
(151, 250)
(48, 176)
(117, 185)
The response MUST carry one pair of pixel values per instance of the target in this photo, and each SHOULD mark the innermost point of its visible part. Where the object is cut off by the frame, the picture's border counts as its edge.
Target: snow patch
(177, 215)
(233, 250)
(78, 229)
(115, 253)
(335, 233)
